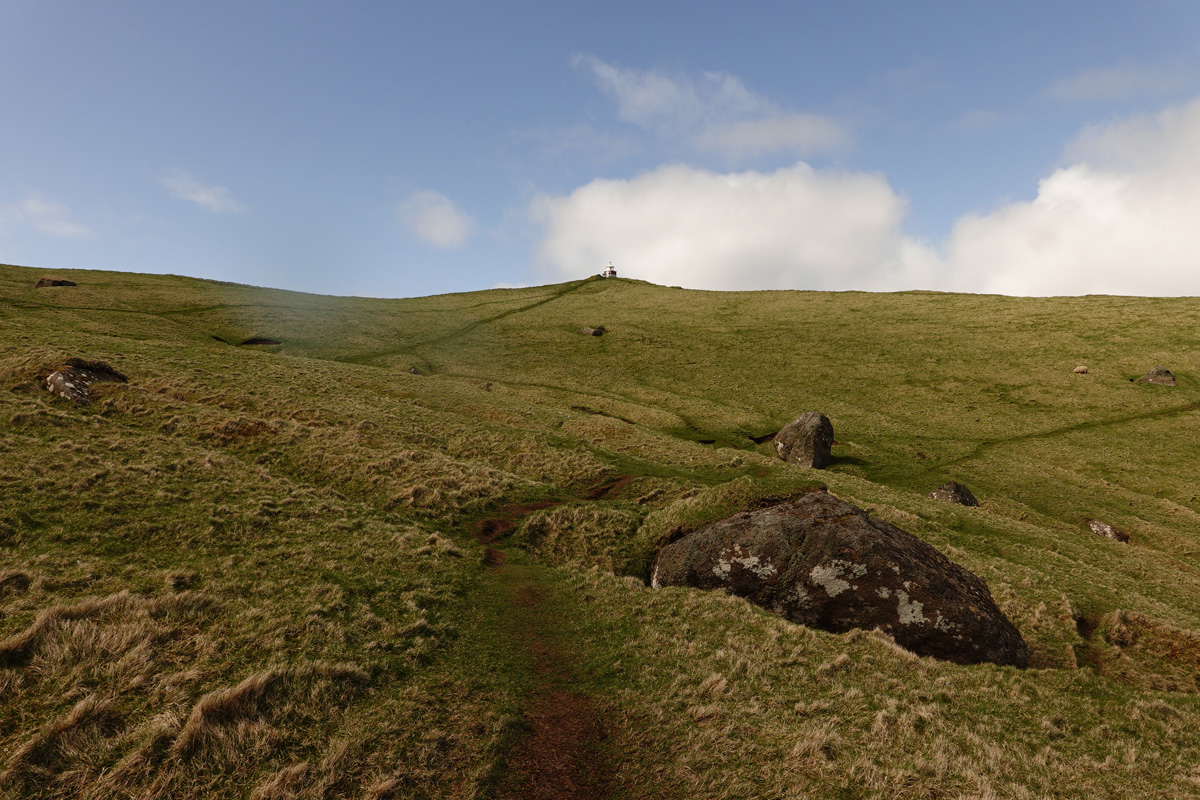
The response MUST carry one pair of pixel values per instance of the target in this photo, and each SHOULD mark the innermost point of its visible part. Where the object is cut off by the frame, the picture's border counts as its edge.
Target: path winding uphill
(564, 750)
(563, 746)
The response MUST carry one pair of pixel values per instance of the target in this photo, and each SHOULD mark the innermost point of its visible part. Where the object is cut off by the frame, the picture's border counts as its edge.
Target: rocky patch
(822, 562)
(74, 379)
(1159, 375)
(806, 440)
(1107, 531)
(954, 492)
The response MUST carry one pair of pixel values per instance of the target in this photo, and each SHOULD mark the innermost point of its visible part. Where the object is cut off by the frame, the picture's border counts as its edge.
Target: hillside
(402, 551)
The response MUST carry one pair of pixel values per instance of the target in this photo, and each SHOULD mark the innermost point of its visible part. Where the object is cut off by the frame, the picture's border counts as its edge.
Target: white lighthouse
(609, 272)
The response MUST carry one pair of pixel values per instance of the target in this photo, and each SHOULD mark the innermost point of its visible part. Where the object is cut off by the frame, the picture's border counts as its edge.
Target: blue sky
(402, 149)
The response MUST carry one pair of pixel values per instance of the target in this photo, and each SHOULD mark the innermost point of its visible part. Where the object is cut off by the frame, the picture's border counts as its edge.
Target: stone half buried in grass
(1107, 531)
(825, 563)
(954, 492)
(806, 440)
(75, 378)
(49, 281)
(1159, 375)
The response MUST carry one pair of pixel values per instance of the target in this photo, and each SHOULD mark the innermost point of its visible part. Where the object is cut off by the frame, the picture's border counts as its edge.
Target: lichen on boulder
(823, 562)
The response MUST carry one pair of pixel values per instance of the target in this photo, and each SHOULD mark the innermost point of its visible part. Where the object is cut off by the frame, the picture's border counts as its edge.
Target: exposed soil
(609, 488)
(260, 340)
(564, 754)
(492, 529)
(766, 437)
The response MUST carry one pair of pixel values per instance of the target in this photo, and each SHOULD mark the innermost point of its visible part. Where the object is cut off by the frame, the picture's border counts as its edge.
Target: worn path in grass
(414, 347)
(564, 748)
(564, 752)
(561, 746)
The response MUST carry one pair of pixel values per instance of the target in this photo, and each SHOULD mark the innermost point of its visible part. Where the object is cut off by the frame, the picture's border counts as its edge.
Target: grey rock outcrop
(74, 379)
(1107, 531)
(1160, 375)
(822, 562)
(954, 492)
(806, 440)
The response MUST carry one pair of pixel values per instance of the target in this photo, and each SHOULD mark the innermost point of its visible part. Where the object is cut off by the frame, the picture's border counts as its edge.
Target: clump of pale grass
(40, 750)
(584, 534)
(215, 712)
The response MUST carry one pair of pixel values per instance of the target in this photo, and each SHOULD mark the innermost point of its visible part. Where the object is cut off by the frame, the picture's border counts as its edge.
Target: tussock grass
(584, 534)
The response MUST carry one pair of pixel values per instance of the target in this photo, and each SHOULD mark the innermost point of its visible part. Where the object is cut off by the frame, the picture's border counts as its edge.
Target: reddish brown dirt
(609, 488)
(564, 753)
(494, 558)
(491, 529)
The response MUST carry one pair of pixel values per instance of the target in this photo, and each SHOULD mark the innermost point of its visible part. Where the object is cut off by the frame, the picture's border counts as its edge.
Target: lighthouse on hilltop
(609, 272)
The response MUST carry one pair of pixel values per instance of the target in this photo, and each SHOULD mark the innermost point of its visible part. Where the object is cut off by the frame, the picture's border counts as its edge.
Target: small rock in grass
(1107, 531)
(954, 492)
(48, 281)
(586, 331)
(806, 440)
(1159, 375)
(73, 380)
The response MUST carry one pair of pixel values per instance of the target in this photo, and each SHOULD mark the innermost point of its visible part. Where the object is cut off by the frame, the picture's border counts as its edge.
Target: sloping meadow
(255, 569)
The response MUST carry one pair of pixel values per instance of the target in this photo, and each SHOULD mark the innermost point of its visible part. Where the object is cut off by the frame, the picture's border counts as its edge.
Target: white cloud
(712, 112)
(44, 216)
(210, 197)
(795, 228)
(434, 219)
(1121, 219)
(1122, 80)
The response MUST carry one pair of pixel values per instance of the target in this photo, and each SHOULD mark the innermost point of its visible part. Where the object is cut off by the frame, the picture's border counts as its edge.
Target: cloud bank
(795, 227)
(435, 219)
(210, 197)
(1119, 217)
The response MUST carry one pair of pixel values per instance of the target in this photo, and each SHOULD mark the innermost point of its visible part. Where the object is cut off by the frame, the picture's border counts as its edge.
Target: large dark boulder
(806, 440)
(1160, 375)
(822, 562)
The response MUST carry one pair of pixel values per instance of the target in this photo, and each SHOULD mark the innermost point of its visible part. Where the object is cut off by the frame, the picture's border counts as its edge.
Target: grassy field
(402, 553)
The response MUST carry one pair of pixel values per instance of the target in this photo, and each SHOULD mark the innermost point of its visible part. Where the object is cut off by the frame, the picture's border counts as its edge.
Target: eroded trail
(564, 753)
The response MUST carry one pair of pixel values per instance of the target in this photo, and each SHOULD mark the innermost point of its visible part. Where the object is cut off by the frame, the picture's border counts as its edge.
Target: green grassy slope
(255, 570)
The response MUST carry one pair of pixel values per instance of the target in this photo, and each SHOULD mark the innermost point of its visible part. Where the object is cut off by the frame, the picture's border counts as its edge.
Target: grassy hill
(402, 552)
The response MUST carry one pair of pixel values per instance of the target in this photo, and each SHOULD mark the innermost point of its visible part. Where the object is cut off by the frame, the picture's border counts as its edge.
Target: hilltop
(401, 548)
